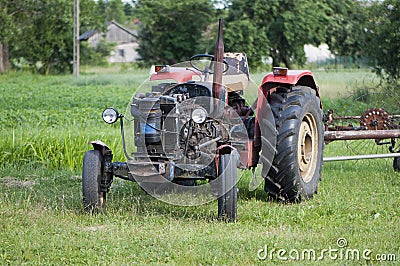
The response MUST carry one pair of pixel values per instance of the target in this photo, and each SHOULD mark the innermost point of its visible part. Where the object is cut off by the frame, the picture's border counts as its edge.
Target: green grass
(46, 124)
(339, 84)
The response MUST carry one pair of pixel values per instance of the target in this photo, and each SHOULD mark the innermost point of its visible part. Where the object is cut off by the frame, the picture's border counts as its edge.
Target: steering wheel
(206, 69)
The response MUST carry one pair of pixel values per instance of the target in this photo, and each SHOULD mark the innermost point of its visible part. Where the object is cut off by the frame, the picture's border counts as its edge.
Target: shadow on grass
(37, 188)
(128, 197)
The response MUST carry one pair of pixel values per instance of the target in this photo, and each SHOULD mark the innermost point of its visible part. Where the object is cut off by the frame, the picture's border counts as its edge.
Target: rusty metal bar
(345, 117)
(209, 142)
(361, 157)
(357, 117)
(361, 134)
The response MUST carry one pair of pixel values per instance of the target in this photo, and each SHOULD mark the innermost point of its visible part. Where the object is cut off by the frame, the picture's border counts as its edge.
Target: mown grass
(46, 124)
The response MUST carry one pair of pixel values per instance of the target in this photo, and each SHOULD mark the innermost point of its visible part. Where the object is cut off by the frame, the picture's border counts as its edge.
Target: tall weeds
(54, 149)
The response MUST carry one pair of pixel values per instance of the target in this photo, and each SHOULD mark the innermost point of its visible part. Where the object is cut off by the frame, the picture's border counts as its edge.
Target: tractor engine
(173, 124)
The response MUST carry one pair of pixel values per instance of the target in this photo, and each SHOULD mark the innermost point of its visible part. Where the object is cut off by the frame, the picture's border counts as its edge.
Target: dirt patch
(93, 228)
(76, 177)
(9, 181)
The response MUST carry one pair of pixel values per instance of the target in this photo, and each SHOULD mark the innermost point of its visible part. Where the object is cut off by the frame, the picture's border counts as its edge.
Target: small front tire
(227, 203)
(93, 198)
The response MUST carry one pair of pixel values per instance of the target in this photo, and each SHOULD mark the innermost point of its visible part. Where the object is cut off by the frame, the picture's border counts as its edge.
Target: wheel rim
(307, 147)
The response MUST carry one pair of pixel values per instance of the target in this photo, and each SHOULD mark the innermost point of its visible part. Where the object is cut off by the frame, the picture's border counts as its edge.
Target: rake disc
(367, 109)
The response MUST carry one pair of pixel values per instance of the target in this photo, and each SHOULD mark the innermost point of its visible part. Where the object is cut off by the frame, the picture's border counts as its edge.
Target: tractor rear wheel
(296, 168)
(93, 198)
(227, 203)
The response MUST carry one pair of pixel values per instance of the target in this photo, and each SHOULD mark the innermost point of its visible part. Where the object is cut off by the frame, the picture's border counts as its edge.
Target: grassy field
(46, 124)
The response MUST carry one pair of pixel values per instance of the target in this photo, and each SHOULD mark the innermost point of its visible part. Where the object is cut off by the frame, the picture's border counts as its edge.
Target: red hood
(179, 74)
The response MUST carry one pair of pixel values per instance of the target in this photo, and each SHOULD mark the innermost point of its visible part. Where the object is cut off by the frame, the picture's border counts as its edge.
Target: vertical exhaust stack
(218, 63)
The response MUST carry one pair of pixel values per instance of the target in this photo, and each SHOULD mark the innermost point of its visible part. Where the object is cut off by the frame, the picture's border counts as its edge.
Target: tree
(115, 11)
(345, 34)
(128, 10)
(101, 7)
(171, 31)
(95, 55)
(242, 33)
(13, 16)
(40, 31)
(382, 45)
(243, 36)
(287, 25)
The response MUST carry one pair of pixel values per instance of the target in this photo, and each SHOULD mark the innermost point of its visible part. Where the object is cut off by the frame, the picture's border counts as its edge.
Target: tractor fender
(293, 77)
(101, 147)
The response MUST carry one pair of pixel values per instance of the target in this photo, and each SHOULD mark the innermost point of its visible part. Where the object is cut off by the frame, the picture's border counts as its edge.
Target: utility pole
(76, 38)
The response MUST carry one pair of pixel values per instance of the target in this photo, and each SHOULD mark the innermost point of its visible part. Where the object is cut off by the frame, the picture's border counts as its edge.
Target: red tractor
(189, 129)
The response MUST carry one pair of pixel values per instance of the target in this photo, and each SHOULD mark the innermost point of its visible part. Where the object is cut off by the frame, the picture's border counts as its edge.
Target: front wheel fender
(101, 147)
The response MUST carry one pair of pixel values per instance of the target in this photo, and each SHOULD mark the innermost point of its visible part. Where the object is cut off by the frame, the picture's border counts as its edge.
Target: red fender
(293, 77)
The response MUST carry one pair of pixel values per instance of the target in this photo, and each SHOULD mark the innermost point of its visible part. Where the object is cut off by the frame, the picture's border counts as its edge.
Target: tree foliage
(243, 36)
(95, 56)
(171, 31)
(128, 10)
(13, 15)
(115, 11)
(345, 32)
(40, 32)
(284, 26)
(382, 45)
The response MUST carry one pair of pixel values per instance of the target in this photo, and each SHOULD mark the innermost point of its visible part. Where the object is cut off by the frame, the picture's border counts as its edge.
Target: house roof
(131, 32)
(85, 36)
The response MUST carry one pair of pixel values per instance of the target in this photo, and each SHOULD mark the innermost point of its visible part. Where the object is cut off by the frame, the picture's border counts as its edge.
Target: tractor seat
(237, 78)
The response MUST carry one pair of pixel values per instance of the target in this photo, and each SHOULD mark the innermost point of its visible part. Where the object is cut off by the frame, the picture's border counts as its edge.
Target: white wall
(124, 53)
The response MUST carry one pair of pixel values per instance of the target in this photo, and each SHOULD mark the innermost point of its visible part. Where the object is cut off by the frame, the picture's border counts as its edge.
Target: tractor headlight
(110, 115)
(199, 115)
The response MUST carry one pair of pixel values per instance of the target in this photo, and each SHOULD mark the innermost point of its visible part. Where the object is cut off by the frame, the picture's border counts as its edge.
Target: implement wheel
(396, 164)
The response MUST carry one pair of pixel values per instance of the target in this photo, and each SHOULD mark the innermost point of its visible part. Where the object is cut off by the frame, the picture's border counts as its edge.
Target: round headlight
(199, 115)
(110, 115)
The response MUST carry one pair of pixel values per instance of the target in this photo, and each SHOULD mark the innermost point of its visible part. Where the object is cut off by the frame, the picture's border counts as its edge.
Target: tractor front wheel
(227, 203)
(93, 198)
(296, 168)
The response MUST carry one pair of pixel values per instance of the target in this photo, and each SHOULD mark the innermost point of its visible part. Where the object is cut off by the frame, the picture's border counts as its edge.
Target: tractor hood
(179, 74)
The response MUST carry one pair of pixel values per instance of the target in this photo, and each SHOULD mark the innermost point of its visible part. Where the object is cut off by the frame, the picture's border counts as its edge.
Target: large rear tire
(93, 198)
(296, 168)
(227, 203)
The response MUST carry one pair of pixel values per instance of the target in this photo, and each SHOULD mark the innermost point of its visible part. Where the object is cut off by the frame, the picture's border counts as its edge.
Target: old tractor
(188, 130)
